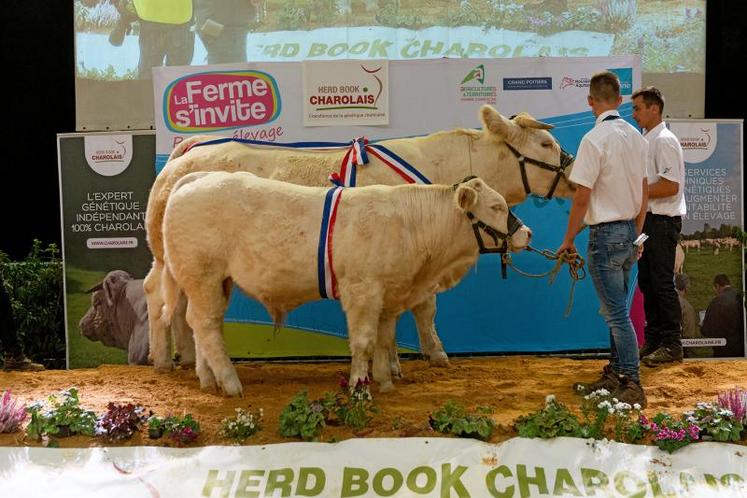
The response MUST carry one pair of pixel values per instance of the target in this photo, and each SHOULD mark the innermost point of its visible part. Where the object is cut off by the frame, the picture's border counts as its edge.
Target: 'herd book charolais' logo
(477, 73)
(350, 96)
(220, 100)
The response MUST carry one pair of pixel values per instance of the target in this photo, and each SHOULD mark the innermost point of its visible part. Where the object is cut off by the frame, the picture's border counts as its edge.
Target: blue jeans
(611, 255)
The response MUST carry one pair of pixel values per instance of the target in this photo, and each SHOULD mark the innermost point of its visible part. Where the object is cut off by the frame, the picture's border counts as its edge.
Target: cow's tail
(170, 292)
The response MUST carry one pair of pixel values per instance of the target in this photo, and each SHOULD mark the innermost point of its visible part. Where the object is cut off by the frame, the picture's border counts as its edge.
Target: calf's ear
(495, 122)
(466, 197)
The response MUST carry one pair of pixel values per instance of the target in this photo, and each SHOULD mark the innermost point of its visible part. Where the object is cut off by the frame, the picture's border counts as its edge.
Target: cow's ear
(112, 285)
(495, 122)
(526, 121)
(95, 288)
(466, 197)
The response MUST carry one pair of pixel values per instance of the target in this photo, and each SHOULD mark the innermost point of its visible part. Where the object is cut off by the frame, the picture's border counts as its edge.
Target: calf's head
(487, 209)
(100, 321)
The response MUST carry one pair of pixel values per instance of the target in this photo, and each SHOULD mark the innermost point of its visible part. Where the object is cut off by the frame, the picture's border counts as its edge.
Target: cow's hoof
(386, 387)
(439, 360)
(162, 369)
(187, 366)
(396, 372)
(232, 388)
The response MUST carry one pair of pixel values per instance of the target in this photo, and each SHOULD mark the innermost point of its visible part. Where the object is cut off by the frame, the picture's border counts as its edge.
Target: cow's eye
(548, 144)
(497, 208)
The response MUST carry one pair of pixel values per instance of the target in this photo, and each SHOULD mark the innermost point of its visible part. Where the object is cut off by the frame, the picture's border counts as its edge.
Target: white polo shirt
(611, 161)
(665, 160)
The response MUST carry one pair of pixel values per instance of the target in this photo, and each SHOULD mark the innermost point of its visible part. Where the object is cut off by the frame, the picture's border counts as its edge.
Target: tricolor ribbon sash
(325, 269)
(356, 155)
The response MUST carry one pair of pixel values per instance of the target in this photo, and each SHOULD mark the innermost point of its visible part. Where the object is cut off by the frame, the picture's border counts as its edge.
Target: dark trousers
(656, 281)
(8, 337)
(164, 44)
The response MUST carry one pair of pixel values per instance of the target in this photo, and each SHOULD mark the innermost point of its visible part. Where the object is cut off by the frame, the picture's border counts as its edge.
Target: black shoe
(647, 349)
(630, 392)
(609, 381)
(663, 355)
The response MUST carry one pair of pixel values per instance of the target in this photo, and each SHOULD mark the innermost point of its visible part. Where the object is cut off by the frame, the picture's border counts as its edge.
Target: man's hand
(567, 246)
(640, 251)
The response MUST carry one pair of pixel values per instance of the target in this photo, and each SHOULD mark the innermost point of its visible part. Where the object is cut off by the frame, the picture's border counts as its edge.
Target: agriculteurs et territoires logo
(473, 88)
(350, 96)
(220, 100)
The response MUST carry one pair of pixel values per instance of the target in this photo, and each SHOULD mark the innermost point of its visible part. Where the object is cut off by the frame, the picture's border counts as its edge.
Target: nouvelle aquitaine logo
(473, 88)
(220, 100)
(349, 96)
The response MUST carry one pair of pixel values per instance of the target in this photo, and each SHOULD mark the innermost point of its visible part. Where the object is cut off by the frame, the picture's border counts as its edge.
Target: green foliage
(390, 15)
(302, 418)
(292, 17)
(452, 418)
(242, 426)
(60, 417)
(716, 423)
(354, 409)
(599, 407)
(554, 420)
(108, 74)
(36, 295)
(670, 434)
(182, 430)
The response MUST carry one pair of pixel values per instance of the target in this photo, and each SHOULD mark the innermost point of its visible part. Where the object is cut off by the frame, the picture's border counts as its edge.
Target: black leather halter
(566, 160)
(514, 224)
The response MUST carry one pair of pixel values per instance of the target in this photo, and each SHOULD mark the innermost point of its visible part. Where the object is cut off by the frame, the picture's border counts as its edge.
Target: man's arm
(644, 207)
(663, 188)
(579, 208)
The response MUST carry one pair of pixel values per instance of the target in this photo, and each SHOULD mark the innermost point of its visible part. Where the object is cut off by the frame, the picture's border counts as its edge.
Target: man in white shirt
(611, 198)
(666, 206)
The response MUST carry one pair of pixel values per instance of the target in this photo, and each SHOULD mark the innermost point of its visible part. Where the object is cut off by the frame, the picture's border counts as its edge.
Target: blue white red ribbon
(325, 268)
(357, 155)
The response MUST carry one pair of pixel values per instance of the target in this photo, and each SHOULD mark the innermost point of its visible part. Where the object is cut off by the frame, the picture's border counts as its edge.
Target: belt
(675, 218)
(603, 223)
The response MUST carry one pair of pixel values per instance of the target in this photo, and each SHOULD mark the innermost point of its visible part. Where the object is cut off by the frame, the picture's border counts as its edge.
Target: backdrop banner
(714, 182)
(433, 467)
(104, 184)
(483, 314)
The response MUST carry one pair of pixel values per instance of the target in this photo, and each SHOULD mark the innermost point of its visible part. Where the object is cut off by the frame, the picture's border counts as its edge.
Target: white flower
(636, 406)
(611, 411)
(550, 398)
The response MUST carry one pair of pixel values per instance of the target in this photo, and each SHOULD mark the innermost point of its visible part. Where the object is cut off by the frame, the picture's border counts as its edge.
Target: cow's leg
(382, 366)
(362, 311)
(207, 304)
(158, 326)
(184, 343)
(207, 379)
(430, 344)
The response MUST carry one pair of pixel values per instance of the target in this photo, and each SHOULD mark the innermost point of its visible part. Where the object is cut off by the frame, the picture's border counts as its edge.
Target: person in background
(166, 37)
(223, 26)
(666, 206)
(690, 328)
(13, 357)
(611, 198)
(724, 318)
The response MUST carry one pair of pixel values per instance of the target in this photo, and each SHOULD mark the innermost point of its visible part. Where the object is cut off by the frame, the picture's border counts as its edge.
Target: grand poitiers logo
(220, 100)
(473, 88)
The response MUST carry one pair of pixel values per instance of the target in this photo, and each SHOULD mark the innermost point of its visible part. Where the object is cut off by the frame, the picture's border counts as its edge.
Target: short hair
(651, 96)
(605, 86)
(681, 281)
(721, 280)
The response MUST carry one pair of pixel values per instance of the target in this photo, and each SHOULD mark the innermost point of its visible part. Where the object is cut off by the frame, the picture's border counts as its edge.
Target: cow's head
(522, 142)
(99, 323)
(483, 204)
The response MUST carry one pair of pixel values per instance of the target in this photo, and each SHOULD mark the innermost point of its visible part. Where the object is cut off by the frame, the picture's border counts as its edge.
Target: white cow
(679, 259)
(444, 157)
(392, 248)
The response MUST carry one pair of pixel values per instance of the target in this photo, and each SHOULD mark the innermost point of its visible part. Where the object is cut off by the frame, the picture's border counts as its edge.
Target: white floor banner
(439, 467)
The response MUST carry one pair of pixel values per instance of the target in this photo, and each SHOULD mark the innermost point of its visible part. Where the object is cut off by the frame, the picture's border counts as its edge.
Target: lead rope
(469, 153)
(575, 269)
